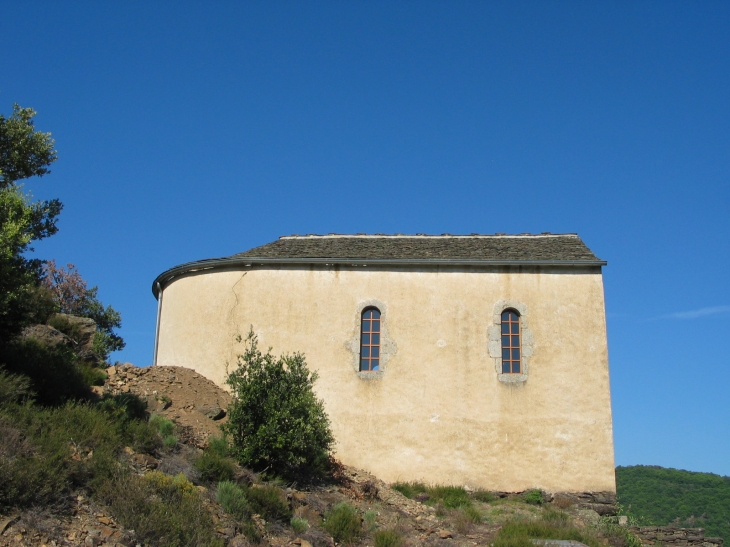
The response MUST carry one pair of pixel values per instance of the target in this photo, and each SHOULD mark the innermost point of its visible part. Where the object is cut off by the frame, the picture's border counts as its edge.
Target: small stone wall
(673, 536)
(603, 503)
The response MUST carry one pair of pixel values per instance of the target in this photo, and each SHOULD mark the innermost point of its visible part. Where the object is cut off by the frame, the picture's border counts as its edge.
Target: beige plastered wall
(438, 413)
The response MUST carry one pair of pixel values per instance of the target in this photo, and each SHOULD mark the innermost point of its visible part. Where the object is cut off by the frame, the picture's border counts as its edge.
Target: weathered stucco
(438, 411)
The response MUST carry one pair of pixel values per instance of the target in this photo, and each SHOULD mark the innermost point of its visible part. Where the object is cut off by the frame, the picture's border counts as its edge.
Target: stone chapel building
(477, 360)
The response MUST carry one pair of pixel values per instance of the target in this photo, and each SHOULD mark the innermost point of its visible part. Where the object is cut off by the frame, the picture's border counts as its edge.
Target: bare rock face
(47, 335)
(84, 328)
(81, 331)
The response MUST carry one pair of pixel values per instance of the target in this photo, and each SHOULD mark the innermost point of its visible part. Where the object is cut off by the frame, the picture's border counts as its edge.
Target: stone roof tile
(543, 247)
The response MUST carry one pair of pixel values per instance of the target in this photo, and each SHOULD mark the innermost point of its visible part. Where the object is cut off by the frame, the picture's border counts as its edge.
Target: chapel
(477, 360)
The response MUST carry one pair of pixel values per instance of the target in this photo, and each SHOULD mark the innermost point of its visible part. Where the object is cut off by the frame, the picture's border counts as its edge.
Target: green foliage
(299, 525)
(410, 489)
(343, 523)
(484, 496)
(519, 532)
(14, 388)
(616, 534)
(22, 222)
(163, 511)
(662, 496)
(213, 467)
(233, 500)
(533, 497)
(24, 152)
(219, 446)
(472, 514)
(62, 324)
(55, 374)
(269, 502)
(166, 429)
(370, 518)
(388, 538)
(275, 421)
(164, 426)
(124, 407)
(451, 497)
(47, 451)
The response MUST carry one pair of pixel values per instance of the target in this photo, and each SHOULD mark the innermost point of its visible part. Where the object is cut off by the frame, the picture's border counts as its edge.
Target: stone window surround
(388, 347)
(495, 341)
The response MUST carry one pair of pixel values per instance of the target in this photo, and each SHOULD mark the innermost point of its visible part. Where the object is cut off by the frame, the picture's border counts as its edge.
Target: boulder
(83, 327)
(47, 335)
(212, 411)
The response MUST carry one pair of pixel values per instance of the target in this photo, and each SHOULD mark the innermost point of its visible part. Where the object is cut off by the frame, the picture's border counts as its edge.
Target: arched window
(370, 340)
(511, 342)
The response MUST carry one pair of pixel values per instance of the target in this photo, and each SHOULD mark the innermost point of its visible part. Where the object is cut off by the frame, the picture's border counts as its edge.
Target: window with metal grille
(370, 340)
(510, 342)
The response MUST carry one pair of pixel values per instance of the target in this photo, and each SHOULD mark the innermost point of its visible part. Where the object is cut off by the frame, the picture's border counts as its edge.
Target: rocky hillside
(384, 516)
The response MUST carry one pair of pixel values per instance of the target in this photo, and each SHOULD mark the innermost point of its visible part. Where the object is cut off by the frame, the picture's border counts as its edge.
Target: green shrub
(163, 425)
(169, 442)
(555, 517)
(62, 324)
(275, 421)
(451, 496)
(27, 475)
(387, 538)
(343, 523)
(55, 374)
(14, 388)
(142, 436)
(124, 407)
(213, 467)
(163, 511)
(472, 514)
(45, 452)
(533, 497)
(410, 489)
(269, 502)
(484, 496)
(370, 518)
(233, 500)
(617, 535)
(218, 445)
(518, 532)
(299, 525)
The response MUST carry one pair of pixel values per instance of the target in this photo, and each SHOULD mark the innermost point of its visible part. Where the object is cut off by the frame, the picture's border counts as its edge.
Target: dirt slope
(198, 406)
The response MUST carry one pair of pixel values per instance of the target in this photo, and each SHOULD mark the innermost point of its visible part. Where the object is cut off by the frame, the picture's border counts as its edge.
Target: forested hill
(661, 496)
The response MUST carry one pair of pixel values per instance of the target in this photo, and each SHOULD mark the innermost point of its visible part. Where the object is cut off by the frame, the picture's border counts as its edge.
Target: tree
(71, 295)
(24, 152)
(275, 421)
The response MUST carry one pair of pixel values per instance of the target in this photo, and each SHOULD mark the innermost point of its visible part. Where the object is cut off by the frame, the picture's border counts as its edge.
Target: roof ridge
(425, 236)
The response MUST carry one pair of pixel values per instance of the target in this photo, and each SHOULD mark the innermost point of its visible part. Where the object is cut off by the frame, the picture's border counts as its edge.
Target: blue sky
(191, 130)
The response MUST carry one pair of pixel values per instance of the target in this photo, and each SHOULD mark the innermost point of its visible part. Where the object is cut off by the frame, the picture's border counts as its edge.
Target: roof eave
(167, 276)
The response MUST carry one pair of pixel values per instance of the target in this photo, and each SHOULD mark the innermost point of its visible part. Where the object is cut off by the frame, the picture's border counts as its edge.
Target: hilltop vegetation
(660, 496)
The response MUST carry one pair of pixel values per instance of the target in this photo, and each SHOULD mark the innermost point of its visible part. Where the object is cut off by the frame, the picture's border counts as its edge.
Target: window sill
(512, 378)
(370, 375)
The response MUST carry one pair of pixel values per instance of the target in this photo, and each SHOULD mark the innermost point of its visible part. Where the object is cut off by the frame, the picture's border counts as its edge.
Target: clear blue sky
(196, 130)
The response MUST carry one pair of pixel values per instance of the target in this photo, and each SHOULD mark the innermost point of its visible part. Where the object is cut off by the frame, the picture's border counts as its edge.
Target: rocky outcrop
(83, 328)
(70, 331)
(46, 335)
(674, 536)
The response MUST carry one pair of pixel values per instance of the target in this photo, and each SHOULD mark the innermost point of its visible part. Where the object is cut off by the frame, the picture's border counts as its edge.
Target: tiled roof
(517, 248)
